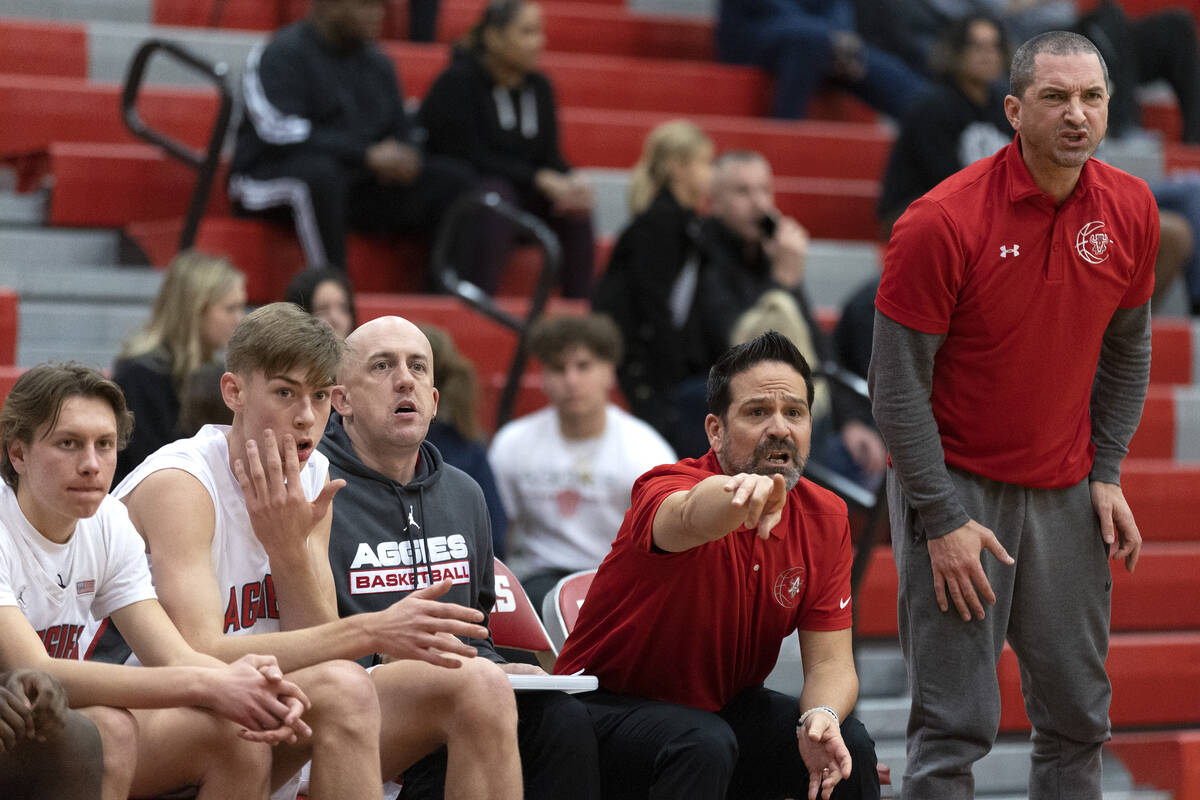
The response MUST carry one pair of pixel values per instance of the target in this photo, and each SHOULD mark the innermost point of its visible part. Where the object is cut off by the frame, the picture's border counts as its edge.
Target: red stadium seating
(43, 48)
(1162, 494)
(8, 376)
(1155, 437)
(587, 27)
(1165, 759)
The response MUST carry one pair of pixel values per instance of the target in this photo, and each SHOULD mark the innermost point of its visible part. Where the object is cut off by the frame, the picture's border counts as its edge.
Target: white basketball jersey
(239, 561)
(60, 587)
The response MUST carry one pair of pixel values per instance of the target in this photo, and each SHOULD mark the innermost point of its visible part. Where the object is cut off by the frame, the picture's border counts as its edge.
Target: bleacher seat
(514, 622)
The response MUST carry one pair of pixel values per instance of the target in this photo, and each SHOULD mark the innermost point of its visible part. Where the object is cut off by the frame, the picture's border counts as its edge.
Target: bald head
(386, 397)
(379, 334)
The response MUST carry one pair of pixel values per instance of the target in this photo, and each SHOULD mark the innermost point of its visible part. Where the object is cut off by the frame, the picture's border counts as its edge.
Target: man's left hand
(865, 446)
(280, 514)
(824, 753)
(1117, 526)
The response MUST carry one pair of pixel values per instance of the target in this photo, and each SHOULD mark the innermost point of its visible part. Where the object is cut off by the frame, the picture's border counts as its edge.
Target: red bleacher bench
(1163, 759)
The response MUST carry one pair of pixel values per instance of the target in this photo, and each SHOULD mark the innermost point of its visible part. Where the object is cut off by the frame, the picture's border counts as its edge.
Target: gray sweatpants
(1052, 606)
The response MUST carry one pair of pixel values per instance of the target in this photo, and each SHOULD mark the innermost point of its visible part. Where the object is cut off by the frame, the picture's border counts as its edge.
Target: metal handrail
(446, 277)
(204, 162)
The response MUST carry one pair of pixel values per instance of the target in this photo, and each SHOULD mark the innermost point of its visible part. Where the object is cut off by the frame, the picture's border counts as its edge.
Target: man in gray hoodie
(406, 520)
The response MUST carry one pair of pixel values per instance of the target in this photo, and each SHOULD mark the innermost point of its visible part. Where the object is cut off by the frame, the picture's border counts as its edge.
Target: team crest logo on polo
(789, 585)
(1092, 243)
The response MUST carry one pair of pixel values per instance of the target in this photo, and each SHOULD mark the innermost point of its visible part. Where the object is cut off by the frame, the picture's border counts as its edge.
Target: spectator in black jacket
(956, 123)
(651, 288)
(325, 136)
(493, 109)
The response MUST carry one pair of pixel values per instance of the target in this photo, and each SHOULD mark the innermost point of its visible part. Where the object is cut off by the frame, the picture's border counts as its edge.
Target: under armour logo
(1013, 251)
(412, 523)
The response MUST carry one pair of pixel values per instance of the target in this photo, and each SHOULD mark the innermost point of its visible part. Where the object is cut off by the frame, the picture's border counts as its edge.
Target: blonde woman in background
(651, 287)
(456, 431)
(200, 302)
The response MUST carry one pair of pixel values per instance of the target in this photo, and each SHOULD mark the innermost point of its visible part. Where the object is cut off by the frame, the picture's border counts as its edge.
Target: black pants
(498, 236)
(422, 20)
(746, 751)
(1158, 46)
(325, 198)
(558, 753)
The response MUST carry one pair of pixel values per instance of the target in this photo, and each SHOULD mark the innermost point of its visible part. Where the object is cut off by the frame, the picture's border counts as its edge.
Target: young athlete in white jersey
(237, 521)
(68, 552)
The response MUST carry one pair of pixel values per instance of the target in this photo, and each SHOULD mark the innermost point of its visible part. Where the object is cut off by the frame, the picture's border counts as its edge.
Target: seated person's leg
(179, 747)
(313, 190)
(417, 207)
(770, 765)
(558, 753)
(660, 750)
(67, 766)
(469, 709)
(118, 731)
(578, 241)
(889, 84)
(344, 746)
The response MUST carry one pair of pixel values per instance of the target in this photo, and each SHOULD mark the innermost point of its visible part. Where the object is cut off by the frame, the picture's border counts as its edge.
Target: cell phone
(768, 226)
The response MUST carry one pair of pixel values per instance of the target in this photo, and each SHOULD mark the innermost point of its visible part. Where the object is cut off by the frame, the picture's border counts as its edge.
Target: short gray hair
(1056, 43)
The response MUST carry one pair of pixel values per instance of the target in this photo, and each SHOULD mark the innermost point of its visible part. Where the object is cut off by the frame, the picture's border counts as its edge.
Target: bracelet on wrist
(804, 717)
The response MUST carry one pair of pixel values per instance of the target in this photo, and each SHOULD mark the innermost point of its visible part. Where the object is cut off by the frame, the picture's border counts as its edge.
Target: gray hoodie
(390, 538)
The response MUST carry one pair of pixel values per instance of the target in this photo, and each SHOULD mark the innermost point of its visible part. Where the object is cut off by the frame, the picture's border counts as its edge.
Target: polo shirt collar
(1021, 185)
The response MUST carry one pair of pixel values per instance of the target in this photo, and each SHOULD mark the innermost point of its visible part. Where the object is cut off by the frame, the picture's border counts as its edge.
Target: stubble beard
(757, 463)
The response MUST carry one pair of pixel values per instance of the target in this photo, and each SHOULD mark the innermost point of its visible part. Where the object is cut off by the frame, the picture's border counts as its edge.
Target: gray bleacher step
(59, 282)
(610, 214)
(111, 46)
(1005, 770)
(78, 10)
(85, 331)
(703, 9)
(25, 208)
(884, 717)
(1108, 794)
(28, 247)
(881, 670)
(1187, 420)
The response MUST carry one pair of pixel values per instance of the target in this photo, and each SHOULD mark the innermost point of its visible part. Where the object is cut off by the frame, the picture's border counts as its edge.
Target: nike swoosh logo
(844, 603)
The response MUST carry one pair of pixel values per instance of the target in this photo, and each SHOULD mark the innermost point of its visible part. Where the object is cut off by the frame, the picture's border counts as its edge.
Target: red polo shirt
(697, 627)
(1023, 290)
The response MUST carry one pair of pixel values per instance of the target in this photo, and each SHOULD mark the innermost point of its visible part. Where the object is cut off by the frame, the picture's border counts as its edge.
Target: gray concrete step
(1005, 770)
(87, 331)
(111, 46)
(25, 247)
(881, 670)
(79, 10)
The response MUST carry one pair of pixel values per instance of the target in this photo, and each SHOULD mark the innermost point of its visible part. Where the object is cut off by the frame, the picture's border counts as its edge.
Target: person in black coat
(652, 288)
(957, 122)
(325, 137)
(493, 109)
